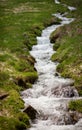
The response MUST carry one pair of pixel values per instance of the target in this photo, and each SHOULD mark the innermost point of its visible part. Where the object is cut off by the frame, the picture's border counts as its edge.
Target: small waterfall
(50, 94)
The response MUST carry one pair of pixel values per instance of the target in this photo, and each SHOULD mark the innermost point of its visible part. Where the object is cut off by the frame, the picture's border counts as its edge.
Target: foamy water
(50, 105)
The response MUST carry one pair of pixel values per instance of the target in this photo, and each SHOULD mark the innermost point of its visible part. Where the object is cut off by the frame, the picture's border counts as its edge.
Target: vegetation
(76, 105)
(69, 46)
(68, 43)
(20, 22)
(11, 124)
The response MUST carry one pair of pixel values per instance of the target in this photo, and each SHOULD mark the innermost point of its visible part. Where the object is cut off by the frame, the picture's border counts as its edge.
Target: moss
(24, 118)
(11, 124)
(56, 45)
(29, 85)
(30, 77)
(76, 105)
(12, 116)
(12, 104)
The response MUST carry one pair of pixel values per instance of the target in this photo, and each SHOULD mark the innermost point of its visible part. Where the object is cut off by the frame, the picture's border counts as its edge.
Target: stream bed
(50, 93)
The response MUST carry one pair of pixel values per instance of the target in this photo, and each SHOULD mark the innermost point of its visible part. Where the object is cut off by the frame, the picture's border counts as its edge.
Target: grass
(11, 116)
(69, 50)
(20, 22)
(76, 105)
(69, 46)
(11, 124)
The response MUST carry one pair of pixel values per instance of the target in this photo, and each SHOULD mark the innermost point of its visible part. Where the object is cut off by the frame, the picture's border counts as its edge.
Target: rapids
(50, 93)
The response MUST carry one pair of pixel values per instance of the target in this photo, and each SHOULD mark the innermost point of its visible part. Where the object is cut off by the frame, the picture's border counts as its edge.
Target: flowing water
(51, 93)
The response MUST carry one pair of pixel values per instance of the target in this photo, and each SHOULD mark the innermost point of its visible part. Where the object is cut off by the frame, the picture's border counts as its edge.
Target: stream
(50, 93)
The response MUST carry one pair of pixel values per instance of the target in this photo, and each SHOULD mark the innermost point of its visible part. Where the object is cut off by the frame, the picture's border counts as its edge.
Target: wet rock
(72, 117)
(56, 74)
(68, 92)
(35, 69)
(76, 115)
(31, 112)
(65, 91)
(67, 118)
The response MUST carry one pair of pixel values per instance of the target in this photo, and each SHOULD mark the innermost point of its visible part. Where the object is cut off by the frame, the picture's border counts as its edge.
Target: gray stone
(31, 112)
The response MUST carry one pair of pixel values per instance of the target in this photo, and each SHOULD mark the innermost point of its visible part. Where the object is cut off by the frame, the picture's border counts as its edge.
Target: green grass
(69, 50)
(11, 116)
(76, 105)
(69, 46)
(11, 124)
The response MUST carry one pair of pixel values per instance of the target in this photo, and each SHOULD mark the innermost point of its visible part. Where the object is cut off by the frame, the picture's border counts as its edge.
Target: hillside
(20, 22)
(68, 44)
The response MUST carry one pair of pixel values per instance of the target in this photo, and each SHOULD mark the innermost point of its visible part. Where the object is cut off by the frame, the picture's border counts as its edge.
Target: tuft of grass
(11, 124)
(76, 105)
(30, 77)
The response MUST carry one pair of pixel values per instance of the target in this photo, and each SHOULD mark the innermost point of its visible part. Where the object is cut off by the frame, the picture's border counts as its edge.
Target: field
(20, 22)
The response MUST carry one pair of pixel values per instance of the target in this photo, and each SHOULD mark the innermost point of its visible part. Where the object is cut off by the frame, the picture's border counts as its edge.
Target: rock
(65, 91)
(31, 59)
(35, 69)
(20, 82)
(54, 38)
(75, 116)
(56, 74)
(31, 112)
(2, 96)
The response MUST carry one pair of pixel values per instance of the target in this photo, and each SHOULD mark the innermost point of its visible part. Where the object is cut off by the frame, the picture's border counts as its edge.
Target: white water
(57, 2)
(51, 107)
(71, 8)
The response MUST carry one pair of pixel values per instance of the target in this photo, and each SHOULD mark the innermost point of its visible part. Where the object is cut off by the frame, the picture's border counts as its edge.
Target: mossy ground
(20, 22)
(69, 49)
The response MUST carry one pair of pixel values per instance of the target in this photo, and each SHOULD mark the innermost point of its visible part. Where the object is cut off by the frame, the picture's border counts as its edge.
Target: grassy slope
(69, 49)
(20, 22)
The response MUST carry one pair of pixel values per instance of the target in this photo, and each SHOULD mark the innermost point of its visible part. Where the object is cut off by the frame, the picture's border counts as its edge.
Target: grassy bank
(68, 43)
(76, 105)
(20, 22)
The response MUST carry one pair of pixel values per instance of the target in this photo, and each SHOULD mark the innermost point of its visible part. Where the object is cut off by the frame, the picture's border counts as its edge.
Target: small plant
(76, 105)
